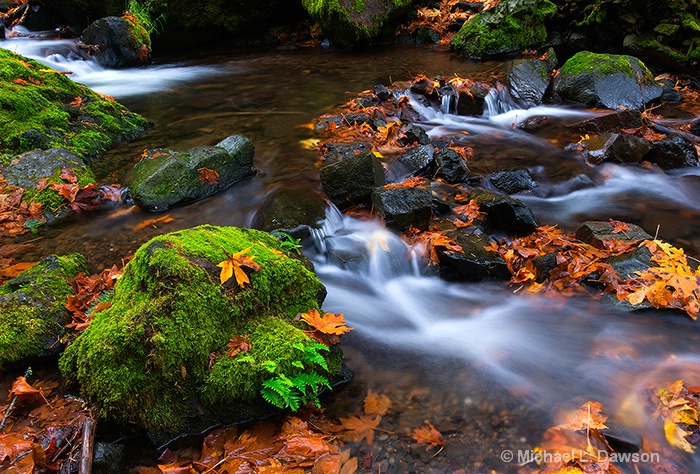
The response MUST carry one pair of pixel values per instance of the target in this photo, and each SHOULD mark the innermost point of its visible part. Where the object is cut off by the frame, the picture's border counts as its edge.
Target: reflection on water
(483, 337)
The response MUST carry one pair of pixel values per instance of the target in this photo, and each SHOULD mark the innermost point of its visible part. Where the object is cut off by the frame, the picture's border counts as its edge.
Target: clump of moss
(42, 108)
(146, 359)
(508, 29)
(32, 315)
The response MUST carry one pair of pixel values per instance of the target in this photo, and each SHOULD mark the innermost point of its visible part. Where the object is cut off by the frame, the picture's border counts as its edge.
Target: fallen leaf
(232, 266)
(152, 222)
(377, 404)
(207, 176)
(358, 428)
(427, 434)
(329, 323)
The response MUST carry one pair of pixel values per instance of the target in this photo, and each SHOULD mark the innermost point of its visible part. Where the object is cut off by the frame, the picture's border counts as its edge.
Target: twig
(11, 406)
(88, 446)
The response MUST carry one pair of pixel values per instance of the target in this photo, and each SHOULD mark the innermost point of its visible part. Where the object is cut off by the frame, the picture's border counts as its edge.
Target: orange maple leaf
(619, 227)
(19, 81)
(207, 176)
(232, 266)
(376, 404)
(77, 102)
(153, 222)
(409, 183)
(589, 416)
(329, 323)
(358, 428)
(427, 434)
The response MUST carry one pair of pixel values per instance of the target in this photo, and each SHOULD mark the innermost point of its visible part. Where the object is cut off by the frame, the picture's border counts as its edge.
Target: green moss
(145, 358)
(50, 199)
(32, 315)
(606, 64)
(508, 29)
(36, 111)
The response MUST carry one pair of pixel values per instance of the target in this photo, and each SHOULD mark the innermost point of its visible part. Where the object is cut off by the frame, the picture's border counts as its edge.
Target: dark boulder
(470, 101)
(451, 166)
(334, 152)
(352, 180)
(416, 161)
(414, 134)
(403, 207)
(529, 79)
(166, 178)
(595, 232)
(474, 262)
(606, 80)
(512, 182)
(616, 148)
(293, 211)
(117, 42)
(505, 213)
(674, 151)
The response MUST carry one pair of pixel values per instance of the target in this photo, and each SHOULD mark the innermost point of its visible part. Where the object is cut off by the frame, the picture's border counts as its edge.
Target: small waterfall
(446, 104)
(498, 101)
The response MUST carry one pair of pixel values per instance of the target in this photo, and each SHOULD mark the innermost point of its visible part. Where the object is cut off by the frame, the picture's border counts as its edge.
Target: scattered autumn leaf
(208, 176)
(358, 428)
(329, 323)
(427, 434)
(377, 404)
(153, 222)
(232, 267)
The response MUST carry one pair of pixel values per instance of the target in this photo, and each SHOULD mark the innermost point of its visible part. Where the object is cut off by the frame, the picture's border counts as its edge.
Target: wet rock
(543, 265)
(595, 232)
(512, 182)
(417, 161)
(674, 151)
(414, 134)
(472, 102)
(505, 213)
(382, 92)
(325, 122)
(609, 122)
(474, 262)
(529, 79)
(695, 128)
(492, 32)
(404, 207)
(352, 180)
(616, 148)
(358, 118)
(109, 458)
(334, 152)
(535, 122)
(170, 313)
(166, 178)
(606, 80)
(32, 314)
(627, 265)
(424, 87)
(293, 211)
(621, 438)
(451, 166)
(119, 42)
(426, 35)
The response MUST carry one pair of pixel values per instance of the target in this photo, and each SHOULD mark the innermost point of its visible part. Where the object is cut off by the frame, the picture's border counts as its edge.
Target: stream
(489, 367)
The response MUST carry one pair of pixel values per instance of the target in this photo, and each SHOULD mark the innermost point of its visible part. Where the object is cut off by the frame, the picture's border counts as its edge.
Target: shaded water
(487, 366)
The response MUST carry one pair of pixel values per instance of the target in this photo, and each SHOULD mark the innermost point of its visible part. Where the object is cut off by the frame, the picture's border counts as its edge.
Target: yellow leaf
(676, 437)
(232, 267)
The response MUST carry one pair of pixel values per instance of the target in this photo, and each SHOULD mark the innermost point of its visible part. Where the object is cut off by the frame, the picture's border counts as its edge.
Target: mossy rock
(348, 22)
(157, 356)
(32, 315)
(120, 42)
(506, 30)
(42, 108)
(606, 80)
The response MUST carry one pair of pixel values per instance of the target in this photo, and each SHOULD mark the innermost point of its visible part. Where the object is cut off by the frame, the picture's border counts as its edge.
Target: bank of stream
(489, 367)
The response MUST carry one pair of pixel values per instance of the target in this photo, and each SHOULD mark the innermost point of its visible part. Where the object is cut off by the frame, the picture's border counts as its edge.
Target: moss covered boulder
(118, 42)
(606, 80)
(348, 22)
(32, 312)
(506, 30)
(43, 108)
(166, 178)
(176, 342)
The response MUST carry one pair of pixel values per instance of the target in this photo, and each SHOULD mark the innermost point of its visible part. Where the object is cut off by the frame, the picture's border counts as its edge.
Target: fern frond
(270, 366)
(272, 397)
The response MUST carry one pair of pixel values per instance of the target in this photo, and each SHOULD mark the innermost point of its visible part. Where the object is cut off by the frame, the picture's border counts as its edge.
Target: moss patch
(586, 61)
(32, 315)
(41, 108)
(507, 29)
(146, 359)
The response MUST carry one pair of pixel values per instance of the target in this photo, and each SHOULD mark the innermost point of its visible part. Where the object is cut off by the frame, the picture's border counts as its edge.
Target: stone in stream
(616, 148)
(529, 79)
(505, 213)
(166, 178)
(474, 262)
(334, 152)
(609, 122)
(414, 134)
(512, 182)
(451, 166)
(606, 80)
(292, 211)
(471, 101)
(595, 232)
(33, 317)
(403, 207)
(674, 151)
(416, 161)
(116, 42)
(352, 181)
(158, 357)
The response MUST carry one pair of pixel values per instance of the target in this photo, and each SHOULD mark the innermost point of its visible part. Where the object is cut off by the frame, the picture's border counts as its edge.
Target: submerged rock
(293, 211)
(117, 42)
(609, 122)
(606, 80)
(616, 148)
(166, 178)
(512, 182)
(32, 312)
(674, 151)
(507, 29)
(159, 358)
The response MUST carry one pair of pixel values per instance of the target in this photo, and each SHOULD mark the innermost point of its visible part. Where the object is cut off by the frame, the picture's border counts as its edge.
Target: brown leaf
(207, 176)
(377, 404)
(427, 434)
(19, 81)
(77, 102)
(22, 389)
(358, 428)
(67, 174)
(236, 345)
(409, 183)
(152, 222)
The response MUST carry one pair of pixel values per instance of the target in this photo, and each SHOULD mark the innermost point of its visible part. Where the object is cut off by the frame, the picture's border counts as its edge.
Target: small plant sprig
(295, 390)
(287, 242)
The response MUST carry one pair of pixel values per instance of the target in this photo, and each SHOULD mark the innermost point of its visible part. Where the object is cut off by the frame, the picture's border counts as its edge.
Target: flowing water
(488, 366)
